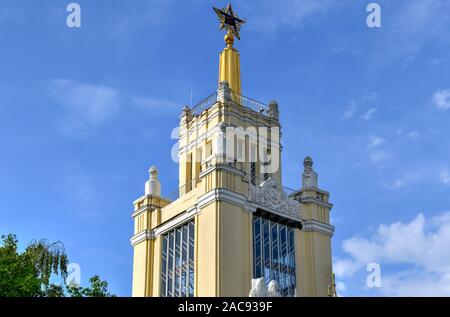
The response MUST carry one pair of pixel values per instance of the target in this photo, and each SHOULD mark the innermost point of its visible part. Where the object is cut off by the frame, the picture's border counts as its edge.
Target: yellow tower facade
(231, 229)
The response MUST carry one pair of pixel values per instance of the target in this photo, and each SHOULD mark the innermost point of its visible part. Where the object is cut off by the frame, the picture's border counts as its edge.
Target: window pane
(274, 254)
(257, 272)
(164, 266)
(177, 262)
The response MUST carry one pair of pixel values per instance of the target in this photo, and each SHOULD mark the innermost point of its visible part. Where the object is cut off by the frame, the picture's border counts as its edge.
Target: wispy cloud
(444, 176)
(420, 245)
(369, 114)
(441, 99)
(86, 106)
(151, 14)
(411, 135)
(365, 101)
(281, 13)
(374, 142)
(414, 135)
(376, 151)
(350, 111)
(152, 105)
(414, 24)
(371, 96)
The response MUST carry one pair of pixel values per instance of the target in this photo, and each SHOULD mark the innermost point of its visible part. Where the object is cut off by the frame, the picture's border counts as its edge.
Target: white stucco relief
(271, 195)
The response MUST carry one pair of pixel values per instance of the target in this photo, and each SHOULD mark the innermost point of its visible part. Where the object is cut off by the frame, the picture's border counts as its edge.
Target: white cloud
(414, 135)
(86, 106)
(281, 13)
(340, 289)
(414, 24)
(348, 114)
(369, 114)
(379, 156)
(396, 183)
(420, 245)
(412, 176)
(445, 177)
(375, 141)
(155, 105)
(372, 96)
(149, 14)
(441, 99)
(350, 111)
(377, 153)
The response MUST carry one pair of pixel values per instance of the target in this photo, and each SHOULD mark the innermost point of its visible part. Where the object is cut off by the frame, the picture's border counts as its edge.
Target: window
(198, 162)
(177, 262)
(209, 149)
(274, 254)
(240, 150)
(265, 164)
(253, 173)
(189, 168)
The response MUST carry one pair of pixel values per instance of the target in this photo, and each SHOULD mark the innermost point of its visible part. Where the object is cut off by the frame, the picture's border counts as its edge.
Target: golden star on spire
(229, 20)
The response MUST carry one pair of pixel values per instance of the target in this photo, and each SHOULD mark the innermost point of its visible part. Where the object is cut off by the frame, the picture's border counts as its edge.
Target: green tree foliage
(48, 258)
(29, 274)
(18, 274)
(98, 288)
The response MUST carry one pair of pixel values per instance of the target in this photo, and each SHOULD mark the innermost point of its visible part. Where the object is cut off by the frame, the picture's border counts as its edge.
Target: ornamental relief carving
(271, 195)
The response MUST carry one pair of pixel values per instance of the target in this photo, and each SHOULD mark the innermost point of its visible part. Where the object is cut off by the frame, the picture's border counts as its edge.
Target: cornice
(318, 226)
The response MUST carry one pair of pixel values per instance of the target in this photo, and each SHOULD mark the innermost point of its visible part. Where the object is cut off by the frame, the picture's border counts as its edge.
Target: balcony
(246, 102)
(186, 188)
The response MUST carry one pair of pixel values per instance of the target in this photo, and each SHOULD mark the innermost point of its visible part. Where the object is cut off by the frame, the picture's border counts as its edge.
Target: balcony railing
(186, 188)
(204, 104)
(183, 190)
(246, 102)
(251, 104)
(259, 180)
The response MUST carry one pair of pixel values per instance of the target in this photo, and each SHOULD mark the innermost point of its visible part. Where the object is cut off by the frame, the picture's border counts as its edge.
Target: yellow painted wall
(206, 260)
(235, 253)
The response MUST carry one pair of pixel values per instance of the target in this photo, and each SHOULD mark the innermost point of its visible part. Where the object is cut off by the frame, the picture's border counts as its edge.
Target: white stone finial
(273, 110)
(259, 288)
(224, 92)
(153, 186)
(309, 177)
(273, 289)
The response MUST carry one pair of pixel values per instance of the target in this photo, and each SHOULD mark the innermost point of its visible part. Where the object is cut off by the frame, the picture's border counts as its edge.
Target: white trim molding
(175, 222)
(318, 226)
(142, 236)
(221, 194)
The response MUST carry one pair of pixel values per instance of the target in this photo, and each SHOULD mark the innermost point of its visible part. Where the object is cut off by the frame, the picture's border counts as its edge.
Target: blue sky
(85, 112)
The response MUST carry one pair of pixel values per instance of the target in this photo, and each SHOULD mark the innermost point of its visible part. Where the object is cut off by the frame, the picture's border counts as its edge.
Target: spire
(229, 66)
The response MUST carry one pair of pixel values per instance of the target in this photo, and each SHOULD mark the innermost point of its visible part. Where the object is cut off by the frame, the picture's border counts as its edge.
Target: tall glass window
(177, 262)
(274, 254)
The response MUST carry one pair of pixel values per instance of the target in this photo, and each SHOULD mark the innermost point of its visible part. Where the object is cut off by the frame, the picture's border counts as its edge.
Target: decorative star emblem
(229, 20)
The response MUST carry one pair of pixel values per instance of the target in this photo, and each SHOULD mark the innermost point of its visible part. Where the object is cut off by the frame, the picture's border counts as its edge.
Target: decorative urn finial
(309, 177)
(153, 186)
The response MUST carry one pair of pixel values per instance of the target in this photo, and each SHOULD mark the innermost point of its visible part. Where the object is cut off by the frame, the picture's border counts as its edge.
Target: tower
(231, 220)
(314, 241)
